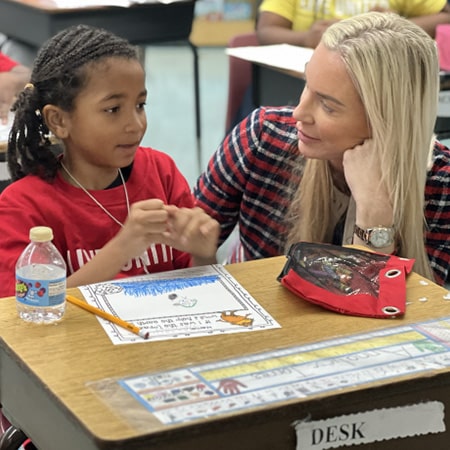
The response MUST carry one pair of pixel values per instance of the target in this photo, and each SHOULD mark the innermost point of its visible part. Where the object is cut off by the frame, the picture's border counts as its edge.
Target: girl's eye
(142, 105)
(114, 109)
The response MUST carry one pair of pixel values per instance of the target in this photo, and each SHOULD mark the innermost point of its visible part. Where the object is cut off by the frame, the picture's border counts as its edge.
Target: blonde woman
(351, 163)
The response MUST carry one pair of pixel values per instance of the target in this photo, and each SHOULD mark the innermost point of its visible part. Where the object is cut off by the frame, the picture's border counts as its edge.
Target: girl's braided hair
(57, 78)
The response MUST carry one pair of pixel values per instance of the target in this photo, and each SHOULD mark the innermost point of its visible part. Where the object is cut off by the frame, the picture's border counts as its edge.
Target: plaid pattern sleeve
(437, 213)
(248, 181)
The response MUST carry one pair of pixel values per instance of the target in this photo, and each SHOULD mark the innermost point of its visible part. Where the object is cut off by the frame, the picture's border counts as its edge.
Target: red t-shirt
(6, 63)
(80, 227)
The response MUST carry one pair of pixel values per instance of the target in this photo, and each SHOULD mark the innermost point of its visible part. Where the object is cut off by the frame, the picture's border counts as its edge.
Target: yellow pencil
(99, 312)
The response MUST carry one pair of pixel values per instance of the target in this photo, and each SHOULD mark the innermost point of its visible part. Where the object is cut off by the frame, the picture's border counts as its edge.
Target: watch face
(381, 237)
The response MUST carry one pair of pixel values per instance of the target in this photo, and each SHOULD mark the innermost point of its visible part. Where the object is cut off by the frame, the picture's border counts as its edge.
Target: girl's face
(108, 121)
(330, 116)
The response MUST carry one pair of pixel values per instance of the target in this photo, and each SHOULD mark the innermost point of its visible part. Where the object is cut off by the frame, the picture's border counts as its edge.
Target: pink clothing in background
(443, 45)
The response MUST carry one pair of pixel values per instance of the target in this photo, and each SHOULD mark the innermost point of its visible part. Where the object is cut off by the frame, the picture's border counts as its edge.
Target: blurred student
(303, 23)
(13, 77)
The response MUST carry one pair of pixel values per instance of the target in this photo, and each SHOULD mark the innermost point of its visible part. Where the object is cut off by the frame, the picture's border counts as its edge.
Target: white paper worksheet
(198, 301)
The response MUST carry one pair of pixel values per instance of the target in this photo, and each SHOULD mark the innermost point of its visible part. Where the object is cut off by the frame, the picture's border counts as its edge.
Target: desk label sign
(371, 426)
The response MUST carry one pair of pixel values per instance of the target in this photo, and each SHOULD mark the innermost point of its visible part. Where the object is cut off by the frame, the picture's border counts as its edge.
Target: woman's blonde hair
(394, 66)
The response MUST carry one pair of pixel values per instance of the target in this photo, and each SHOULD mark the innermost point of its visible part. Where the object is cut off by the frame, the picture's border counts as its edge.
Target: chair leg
(198, 131)
(12, 439)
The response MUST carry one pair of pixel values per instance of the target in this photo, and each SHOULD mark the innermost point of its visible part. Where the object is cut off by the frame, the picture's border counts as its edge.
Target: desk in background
(278, 79)
(35, 21)
(45, 372)
(277, 72)
(275, 87)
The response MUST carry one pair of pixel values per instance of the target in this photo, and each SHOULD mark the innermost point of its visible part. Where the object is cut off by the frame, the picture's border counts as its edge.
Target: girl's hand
(145, 225)
(191, 230)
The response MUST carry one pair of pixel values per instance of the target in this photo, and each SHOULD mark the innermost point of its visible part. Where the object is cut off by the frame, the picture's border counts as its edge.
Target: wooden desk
(209, 33)
(35, 21)
(44, 371)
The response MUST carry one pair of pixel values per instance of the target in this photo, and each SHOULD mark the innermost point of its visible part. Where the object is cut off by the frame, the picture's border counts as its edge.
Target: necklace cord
(95, 200)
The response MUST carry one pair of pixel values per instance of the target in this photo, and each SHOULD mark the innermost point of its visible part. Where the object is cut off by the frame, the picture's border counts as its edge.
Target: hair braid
(57, 77)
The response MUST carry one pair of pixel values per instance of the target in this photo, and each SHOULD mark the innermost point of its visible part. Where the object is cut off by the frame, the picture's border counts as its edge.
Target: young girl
(116, 209)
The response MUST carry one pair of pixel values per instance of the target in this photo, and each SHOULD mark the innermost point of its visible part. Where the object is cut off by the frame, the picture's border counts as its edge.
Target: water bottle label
(40, 292)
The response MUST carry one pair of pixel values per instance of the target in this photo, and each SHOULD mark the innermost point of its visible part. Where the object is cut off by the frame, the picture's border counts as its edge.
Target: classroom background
(170, 103)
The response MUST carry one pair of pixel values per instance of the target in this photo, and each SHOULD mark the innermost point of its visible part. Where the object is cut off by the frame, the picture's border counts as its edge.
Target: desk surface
(44, 372)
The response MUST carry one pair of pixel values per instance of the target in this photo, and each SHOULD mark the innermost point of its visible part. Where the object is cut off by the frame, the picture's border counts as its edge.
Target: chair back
(239, 75)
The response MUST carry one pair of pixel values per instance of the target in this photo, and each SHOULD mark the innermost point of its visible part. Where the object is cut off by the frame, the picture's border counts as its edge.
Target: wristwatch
(377, 237)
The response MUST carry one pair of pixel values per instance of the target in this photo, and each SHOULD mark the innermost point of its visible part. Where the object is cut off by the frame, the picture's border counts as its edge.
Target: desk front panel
(45, 373)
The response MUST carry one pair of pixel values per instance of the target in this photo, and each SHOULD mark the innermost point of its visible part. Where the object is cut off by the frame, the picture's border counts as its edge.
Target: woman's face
(330, 116)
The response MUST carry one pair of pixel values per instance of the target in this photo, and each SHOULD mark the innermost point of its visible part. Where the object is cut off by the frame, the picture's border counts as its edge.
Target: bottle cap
(41, 234)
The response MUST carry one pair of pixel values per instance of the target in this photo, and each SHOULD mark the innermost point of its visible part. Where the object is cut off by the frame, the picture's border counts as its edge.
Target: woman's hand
(362, 170)
(191, 230)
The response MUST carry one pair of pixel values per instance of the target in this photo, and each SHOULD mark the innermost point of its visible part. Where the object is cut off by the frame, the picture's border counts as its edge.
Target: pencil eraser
(144, 334)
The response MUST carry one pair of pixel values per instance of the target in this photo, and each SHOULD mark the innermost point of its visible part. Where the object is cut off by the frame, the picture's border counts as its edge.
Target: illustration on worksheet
(198, 301)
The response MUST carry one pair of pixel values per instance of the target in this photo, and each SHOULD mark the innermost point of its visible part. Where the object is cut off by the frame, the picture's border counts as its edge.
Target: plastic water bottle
(41, 279)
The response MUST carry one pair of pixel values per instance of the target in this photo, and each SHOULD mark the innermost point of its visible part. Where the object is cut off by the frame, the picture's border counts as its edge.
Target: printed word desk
(46, 375)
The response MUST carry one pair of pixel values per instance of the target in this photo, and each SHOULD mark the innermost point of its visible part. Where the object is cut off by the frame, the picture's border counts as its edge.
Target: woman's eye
(142, 105)
(326, 107)
(114, 109)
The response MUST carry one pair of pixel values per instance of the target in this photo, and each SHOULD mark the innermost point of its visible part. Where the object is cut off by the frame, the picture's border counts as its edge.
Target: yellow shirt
(303, 13)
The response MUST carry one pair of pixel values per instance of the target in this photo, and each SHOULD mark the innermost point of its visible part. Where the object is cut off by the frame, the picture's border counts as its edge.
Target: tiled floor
(171, 107)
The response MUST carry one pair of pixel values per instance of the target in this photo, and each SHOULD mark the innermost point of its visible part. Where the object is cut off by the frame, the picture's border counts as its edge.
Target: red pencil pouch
(347, 280)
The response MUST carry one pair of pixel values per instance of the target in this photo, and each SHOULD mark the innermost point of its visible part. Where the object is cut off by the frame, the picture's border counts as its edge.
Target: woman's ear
(56, 120)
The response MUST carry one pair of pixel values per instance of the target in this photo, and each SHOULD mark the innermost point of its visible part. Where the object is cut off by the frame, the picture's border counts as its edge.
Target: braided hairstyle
(58, 75)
